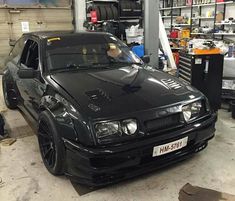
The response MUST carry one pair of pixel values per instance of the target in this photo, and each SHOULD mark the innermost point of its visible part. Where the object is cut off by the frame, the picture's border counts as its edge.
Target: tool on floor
(194, 193)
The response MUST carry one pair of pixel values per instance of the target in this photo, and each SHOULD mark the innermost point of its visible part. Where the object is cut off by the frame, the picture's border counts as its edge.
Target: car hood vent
(171, 84)
(98, 96)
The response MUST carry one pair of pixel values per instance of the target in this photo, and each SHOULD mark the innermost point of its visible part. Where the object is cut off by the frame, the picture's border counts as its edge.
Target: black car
(102, 114)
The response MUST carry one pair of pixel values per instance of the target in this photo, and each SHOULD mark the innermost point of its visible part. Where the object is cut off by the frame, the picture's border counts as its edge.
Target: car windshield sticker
(50, 40)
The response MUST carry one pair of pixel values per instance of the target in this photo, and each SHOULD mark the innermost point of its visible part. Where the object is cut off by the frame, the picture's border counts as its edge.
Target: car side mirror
(146, 59)
(27, 73)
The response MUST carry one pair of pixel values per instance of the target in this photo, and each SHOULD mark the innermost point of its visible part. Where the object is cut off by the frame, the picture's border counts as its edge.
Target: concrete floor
(24, 178)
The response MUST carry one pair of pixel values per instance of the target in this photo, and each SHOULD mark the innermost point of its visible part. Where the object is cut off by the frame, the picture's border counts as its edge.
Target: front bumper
(102, 166)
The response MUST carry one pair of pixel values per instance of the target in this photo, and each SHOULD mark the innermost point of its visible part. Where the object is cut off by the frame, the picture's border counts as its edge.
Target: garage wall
(39, 19)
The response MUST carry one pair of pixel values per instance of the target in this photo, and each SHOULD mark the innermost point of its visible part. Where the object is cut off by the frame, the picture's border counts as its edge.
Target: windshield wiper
(90, 66)
(125, 63)
(73, 67)
(102, 65)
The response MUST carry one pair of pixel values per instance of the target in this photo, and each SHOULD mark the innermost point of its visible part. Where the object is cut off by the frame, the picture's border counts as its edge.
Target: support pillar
(151, 30)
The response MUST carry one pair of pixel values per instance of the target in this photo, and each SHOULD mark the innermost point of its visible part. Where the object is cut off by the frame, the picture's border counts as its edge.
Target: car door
(32, 89)
(14, 58)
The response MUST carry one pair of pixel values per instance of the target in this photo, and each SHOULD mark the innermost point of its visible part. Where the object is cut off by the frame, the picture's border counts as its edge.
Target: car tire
(8, 94)
(51, 145)
(115, 12)
(109, 13)
(103, 13)
(96, 8)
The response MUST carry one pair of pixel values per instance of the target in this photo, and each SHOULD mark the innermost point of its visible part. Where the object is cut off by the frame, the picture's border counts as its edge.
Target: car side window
(30, 55)
(17, 50)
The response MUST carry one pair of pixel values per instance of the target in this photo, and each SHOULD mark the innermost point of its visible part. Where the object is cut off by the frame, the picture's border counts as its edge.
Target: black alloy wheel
(50, 144)
(47, 144)
(9, 95)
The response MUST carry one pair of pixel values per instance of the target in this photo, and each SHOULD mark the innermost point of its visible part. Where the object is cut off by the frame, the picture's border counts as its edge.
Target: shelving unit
(201, 34)
(163, 17)
(228, 24)
(176, 7)
(170, 12)
(224, 34)
(119, 22)
(200, 18)
(197, 5)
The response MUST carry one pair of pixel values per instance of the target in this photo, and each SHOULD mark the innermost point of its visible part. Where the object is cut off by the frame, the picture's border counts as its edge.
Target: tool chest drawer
(204, 72)
(185, 68)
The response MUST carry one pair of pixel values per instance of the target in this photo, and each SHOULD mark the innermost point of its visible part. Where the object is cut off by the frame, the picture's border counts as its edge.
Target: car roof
(50, 34)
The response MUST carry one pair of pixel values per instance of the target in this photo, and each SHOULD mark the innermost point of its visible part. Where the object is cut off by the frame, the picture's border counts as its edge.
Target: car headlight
(192, 111)
(118, 128)
(107, 128)
(129, 127)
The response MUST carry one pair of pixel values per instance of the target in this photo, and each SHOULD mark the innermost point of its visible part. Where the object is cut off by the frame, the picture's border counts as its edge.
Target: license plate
(170, 147)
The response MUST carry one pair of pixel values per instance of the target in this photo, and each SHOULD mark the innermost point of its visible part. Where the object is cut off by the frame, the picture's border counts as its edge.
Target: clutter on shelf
(135, 34)
(204, 19)
(182, 20)
(179, 37)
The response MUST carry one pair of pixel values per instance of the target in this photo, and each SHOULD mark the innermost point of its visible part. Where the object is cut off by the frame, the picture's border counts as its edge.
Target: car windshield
(88, 51)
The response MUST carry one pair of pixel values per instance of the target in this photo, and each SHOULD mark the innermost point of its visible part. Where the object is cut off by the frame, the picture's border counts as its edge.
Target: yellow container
(185, 33)
(183, 43)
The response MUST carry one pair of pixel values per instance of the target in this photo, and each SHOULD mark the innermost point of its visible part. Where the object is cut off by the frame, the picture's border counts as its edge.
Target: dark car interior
(76, 56)
(30, 56)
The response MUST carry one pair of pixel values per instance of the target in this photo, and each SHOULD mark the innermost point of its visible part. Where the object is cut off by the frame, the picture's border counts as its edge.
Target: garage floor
(24, 178)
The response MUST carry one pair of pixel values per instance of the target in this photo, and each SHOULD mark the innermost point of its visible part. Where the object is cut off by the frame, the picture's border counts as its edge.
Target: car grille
(163, 124)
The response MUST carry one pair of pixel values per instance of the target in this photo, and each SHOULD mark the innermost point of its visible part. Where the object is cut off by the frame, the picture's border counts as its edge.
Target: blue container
(138, 50)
